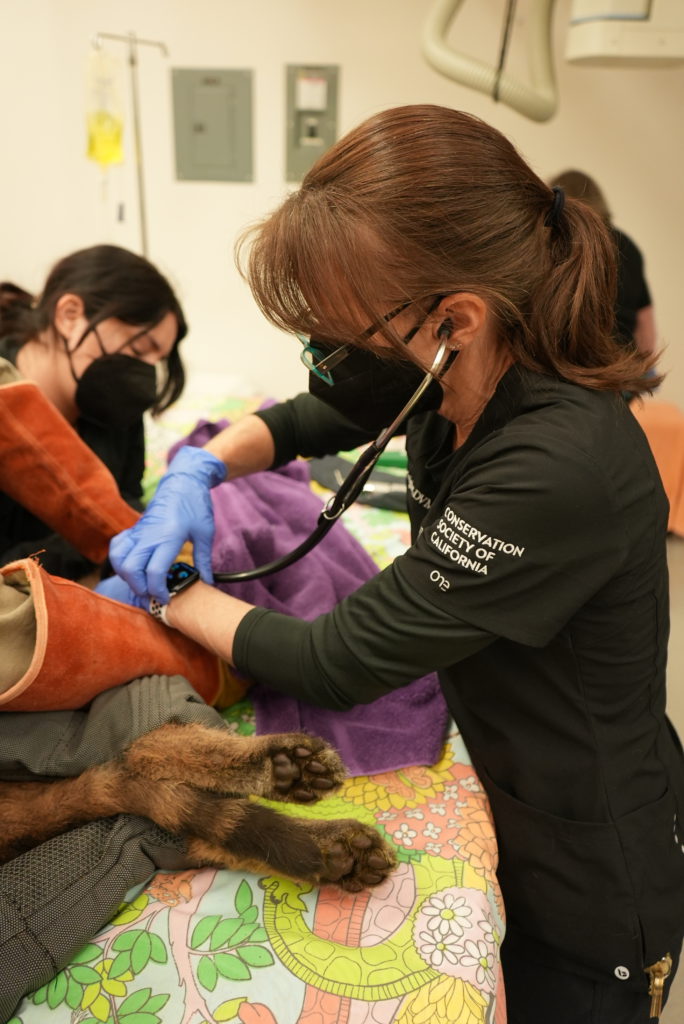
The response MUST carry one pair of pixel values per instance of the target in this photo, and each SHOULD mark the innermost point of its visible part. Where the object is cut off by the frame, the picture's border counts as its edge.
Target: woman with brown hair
(447, 291)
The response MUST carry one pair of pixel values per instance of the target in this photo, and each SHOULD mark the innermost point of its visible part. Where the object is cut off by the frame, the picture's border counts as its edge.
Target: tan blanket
(663, 424)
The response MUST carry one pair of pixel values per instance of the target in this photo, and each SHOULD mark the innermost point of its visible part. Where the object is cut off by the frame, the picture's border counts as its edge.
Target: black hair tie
(553, 216)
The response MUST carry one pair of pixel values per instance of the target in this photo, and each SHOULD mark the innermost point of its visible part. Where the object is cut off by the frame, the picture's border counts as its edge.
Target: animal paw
(355, 856)
(304, 768)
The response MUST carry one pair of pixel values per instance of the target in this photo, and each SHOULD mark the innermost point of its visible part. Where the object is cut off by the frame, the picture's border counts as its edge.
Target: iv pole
(133, 43)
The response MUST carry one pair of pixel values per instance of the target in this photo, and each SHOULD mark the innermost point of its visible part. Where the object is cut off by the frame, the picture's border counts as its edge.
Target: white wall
(623, 126)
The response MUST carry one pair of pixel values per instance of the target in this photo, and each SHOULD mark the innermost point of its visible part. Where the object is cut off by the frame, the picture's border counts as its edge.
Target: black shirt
(632, 289)
(22, 534)
(536, 585)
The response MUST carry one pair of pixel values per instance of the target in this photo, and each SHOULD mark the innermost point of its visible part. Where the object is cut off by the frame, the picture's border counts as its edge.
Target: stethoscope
(353, 483)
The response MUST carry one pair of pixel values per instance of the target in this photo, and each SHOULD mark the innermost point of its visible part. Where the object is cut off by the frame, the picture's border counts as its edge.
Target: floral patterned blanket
(221, 946)
(208, 945)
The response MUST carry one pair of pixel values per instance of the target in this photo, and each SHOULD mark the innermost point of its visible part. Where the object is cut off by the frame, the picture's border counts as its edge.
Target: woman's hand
(180, 510)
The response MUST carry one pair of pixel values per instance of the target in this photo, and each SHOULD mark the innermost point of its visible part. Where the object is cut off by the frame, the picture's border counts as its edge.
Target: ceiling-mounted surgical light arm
(538, 101)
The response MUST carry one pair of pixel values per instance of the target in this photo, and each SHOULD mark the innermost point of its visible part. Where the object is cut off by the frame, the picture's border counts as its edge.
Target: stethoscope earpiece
(445, 330)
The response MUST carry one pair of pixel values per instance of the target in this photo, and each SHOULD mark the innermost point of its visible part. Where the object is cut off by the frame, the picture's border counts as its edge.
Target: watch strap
(158, 611)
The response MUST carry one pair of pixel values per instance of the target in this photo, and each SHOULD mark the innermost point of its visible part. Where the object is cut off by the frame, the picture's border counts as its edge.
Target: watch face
(180, 576)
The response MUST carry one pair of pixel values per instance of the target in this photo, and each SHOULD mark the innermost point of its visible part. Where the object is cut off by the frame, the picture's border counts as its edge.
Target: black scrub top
(22, 534)
(536, 585)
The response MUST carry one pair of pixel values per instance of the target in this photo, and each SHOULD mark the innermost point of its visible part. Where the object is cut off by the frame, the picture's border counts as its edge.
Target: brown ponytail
(570, 331)
(420, 201)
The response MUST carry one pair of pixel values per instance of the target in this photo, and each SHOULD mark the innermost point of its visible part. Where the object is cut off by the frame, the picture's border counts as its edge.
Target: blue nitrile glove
(118, 590)
(180, 510)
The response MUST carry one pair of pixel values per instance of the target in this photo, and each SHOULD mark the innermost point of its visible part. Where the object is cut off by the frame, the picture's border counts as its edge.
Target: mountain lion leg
(258, 839)
(221, 830)
(290, 766)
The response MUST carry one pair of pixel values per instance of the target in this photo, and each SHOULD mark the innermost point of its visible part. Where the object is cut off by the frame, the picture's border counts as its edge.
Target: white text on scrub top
(468, 546)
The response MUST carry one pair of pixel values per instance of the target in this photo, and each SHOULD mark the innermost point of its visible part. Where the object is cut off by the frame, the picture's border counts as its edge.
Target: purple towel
(266, 515)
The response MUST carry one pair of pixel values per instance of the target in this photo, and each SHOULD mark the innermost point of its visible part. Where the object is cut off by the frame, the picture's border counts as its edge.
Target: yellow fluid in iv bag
(105, 138)
(104, 109)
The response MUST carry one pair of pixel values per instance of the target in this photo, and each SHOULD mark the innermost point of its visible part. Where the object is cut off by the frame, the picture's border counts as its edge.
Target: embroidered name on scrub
(468, 546)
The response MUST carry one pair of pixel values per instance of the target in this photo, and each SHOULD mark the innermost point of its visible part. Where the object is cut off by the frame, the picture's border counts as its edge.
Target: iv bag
(104, 109)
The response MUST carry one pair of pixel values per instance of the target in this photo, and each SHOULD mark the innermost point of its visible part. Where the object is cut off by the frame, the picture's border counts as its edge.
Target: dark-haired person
(100, 344)
(634, 315)
(421, 249)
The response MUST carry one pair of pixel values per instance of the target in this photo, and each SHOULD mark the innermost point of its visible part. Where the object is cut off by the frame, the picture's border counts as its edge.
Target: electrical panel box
(212, 111)
(311, 115)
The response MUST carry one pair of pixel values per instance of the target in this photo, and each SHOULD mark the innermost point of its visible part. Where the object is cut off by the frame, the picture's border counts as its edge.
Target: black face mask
(115, 390)
(371, 391)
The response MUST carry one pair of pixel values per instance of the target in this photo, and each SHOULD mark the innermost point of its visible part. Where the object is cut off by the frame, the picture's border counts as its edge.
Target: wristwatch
(179, 577)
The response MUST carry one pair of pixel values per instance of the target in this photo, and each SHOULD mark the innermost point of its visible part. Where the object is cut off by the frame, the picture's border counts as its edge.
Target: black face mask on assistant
(359, 473)
(115, 390)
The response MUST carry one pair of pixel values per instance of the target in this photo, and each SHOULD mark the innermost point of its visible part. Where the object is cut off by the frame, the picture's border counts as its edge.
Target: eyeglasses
(321, 362)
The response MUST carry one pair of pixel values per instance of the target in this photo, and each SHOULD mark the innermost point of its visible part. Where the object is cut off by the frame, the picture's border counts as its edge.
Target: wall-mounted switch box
(311, 115)
(212, 111)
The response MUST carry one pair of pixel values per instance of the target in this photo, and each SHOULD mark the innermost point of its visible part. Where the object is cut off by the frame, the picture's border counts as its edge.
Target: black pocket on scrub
(566, 886)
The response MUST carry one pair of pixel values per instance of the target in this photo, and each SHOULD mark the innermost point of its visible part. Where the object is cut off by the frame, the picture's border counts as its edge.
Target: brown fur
(196, 782)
